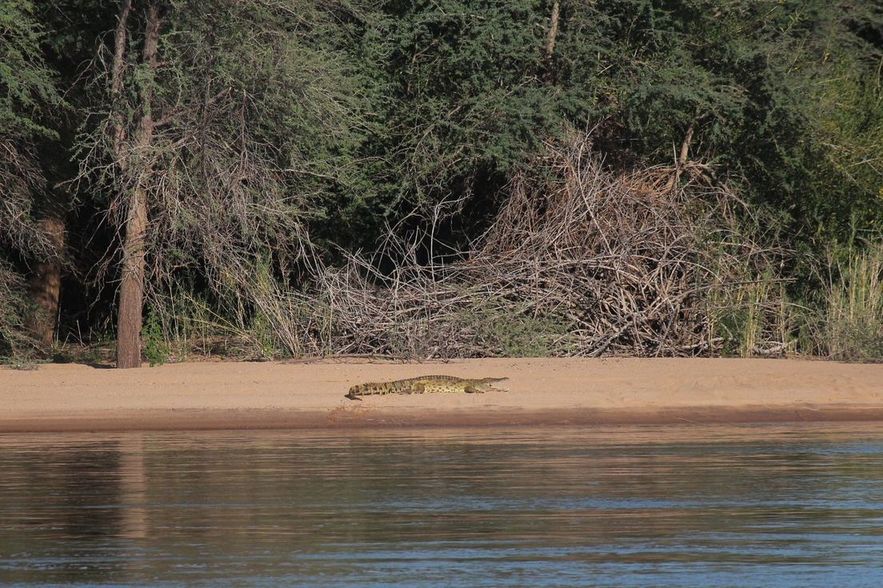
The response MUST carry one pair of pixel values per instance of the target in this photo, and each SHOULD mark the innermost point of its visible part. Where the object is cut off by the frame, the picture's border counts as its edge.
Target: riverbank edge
(218, 420)
(540, 391)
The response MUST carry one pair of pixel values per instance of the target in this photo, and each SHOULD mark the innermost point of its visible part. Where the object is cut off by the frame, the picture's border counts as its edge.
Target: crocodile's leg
(410, 389)
(470, 389)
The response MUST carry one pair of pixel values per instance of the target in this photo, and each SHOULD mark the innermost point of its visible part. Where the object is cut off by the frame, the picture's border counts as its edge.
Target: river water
(622, 506)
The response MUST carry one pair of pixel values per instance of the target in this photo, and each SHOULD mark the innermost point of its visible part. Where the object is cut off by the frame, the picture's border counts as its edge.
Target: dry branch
(591, 262)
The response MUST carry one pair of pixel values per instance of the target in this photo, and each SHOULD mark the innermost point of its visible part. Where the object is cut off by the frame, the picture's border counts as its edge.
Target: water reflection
(674, 506)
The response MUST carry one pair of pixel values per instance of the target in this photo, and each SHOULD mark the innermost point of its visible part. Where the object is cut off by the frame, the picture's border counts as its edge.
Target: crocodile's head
(354, 392)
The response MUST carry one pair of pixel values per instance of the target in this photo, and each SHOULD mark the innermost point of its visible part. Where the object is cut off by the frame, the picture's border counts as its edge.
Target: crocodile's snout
(353, 394)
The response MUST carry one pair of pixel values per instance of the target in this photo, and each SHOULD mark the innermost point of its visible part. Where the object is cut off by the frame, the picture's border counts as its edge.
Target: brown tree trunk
(131, 302)
(551, 38)
(45, 286)
(116, 79)
(553, 29)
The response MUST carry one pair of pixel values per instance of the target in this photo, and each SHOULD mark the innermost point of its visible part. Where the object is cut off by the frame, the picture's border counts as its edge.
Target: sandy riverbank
(217, 395)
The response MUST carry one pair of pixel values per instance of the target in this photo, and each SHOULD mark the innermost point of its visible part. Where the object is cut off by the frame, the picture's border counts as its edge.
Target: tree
(223, 147)
(27, 91)
(462, 101)
(219, 137)
(780, 95)
(764, 89)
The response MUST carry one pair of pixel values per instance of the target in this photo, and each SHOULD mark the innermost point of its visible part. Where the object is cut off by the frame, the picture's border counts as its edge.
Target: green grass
(853, 327)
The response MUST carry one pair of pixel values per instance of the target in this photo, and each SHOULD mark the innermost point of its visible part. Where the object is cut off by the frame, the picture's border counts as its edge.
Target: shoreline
(540, 391)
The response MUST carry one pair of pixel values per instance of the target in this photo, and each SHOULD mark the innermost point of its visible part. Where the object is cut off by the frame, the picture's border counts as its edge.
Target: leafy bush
(156, 347)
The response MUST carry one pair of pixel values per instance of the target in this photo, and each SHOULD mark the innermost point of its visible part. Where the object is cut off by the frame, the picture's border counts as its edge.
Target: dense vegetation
(454, 177)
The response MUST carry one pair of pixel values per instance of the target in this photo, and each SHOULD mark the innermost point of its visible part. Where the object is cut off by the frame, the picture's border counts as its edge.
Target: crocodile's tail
(372, 389)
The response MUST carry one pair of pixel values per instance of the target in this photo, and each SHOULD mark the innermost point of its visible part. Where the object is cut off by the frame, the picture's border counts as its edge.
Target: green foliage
(506, 333)
(12, 306)
(293, 130)
(27, 92)
(26, 83)
(460, 102)
(845, 193)
(783, 94)
(463, 93)
(156, 347)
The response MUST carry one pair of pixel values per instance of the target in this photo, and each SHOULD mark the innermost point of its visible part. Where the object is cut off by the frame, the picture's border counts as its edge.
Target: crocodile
(424, 384)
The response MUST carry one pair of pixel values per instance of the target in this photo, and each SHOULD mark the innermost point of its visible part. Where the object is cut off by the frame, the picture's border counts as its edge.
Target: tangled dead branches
(581, 261)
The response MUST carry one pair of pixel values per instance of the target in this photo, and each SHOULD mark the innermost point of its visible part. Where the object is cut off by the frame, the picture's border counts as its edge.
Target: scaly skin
(424, 384)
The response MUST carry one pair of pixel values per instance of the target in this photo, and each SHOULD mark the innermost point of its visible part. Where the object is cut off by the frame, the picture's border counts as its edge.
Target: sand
(232, 395)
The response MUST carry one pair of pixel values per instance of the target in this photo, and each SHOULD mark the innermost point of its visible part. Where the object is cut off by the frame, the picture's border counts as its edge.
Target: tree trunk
(131, 304)
(685, 146)
(551, 37)
(45, 284)
(116, 79)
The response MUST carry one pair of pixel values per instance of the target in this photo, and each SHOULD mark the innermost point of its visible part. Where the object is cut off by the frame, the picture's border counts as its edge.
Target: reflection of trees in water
(66, 495)
(382, 490)
(89, 492)
(273, 496)
(133, 483)
(350, 490)
(75, 490)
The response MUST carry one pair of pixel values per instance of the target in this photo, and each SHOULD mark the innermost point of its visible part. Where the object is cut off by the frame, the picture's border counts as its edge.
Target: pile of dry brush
(580, 261)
